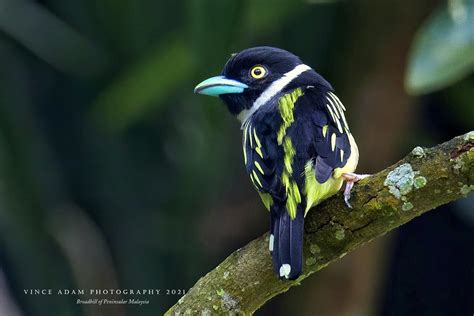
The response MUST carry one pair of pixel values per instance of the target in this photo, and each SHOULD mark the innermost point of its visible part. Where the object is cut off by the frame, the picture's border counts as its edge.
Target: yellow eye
(258, 72)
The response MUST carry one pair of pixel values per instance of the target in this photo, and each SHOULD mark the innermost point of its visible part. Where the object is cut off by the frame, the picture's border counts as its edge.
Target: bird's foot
(350, 179)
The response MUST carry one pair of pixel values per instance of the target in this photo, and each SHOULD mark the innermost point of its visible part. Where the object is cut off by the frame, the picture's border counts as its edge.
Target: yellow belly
(316, 192)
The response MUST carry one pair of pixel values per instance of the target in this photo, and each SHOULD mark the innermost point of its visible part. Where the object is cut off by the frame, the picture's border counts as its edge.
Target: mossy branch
(422, 181)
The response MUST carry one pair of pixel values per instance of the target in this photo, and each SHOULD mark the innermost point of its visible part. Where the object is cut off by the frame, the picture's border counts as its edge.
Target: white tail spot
(285, 270)
(270, 243)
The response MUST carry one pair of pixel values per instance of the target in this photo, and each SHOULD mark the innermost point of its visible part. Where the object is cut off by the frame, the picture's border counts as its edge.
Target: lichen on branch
(423, 180)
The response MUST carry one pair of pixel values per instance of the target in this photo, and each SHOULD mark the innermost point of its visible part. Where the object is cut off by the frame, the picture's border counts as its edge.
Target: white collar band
(272, 90)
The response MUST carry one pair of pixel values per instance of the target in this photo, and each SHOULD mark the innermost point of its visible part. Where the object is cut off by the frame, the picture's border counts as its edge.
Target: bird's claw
(350, 179)
(347, 193)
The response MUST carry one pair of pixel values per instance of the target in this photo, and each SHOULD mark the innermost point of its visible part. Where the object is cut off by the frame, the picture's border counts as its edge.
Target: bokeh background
(113, 174)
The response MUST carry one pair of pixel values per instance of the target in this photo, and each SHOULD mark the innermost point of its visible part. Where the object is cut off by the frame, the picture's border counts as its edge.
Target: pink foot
(350, 179)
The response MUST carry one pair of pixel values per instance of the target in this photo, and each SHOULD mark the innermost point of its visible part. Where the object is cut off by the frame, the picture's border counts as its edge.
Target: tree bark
(422, 181)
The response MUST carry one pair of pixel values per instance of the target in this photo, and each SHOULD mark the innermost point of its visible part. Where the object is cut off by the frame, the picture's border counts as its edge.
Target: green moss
(310, 261)
(407, 206)
(458, 164)
(215, 307)
(340, 234)
(220, 292)
(420, 182)
(314, 249)
(373, 204)
(465, 189)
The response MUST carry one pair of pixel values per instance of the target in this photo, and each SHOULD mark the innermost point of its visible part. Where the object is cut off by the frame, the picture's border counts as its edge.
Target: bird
(297, 146)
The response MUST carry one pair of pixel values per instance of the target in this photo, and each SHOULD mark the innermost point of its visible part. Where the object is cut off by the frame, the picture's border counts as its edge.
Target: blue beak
(218, 85)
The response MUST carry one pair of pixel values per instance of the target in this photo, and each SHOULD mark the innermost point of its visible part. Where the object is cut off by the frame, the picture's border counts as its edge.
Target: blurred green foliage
(443, 51)
(129, 96)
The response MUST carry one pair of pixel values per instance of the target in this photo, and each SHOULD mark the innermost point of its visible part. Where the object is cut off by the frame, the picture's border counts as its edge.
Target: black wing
(320, 133)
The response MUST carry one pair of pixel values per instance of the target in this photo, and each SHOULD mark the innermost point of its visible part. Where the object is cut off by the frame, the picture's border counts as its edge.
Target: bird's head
(255, 75)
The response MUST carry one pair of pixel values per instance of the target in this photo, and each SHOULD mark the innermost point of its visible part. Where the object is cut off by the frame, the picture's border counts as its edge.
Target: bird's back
(294, 150)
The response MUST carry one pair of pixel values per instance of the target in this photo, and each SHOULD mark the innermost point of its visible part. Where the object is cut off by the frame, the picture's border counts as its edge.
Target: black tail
(286, 242)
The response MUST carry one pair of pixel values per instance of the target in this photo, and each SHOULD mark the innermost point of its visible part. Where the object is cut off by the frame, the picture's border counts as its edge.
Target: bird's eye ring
(258, 72)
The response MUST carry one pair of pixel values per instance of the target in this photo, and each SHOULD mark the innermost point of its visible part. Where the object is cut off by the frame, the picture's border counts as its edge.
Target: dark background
(113, 174)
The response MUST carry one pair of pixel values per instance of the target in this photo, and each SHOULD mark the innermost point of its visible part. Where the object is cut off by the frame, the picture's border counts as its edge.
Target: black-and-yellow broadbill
(297, 146)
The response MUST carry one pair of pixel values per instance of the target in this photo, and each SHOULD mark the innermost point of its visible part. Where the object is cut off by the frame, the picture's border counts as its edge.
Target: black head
(251, 72)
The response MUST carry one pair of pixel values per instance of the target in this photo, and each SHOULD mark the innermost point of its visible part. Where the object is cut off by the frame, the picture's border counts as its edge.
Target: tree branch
(422, 181)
